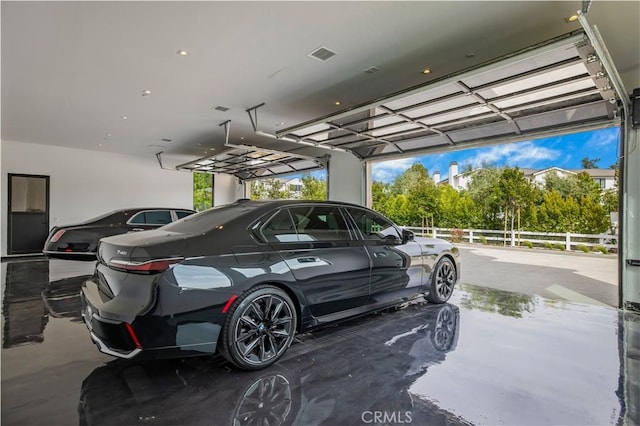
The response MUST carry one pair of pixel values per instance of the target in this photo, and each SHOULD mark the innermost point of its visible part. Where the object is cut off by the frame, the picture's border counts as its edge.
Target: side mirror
(407, 236)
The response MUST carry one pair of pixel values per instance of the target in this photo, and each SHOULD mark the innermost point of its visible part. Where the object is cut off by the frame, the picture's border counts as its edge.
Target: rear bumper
(70, 255)
(111, 337)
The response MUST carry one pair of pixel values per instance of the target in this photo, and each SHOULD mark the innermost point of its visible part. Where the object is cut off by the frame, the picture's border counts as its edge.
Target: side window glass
(157, 217)
(320, 223)
(183, 213)
(137, 219)
(374, 226)
(279, 229)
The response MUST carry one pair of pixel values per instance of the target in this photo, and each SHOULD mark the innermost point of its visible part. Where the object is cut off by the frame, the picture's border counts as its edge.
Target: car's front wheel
(443, 279)
(259, 329)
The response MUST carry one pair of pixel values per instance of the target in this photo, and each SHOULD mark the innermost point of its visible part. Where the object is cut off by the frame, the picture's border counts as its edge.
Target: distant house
(293, 185)
(606, 178)
(455, 179)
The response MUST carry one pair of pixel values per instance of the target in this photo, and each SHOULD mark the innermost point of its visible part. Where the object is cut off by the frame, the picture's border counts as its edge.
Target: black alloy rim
(264, 329)
(445, 279)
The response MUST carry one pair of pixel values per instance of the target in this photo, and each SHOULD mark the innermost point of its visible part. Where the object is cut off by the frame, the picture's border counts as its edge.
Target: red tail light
(152, 266)
(57, 236)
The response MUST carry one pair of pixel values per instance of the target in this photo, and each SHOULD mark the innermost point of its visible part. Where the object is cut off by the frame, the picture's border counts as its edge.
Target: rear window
(152, 217)
(183, 213)
(210, 219)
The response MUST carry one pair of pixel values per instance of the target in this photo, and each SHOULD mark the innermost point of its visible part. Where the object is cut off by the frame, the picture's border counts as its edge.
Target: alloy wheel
(264, 329)
(445, 280)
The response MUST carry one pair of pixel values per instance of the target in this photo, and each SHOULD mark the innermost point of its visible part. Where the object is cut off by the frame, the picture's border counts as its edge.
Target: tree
(380, 194)
(484, 193)
(515, 193)
(590, 163)
(457, 209)
(270, 189)
(424, 203)
(557, 213)
(202, 191)
(398, 208)
(594, 217)
(313, 188)
(410, 178)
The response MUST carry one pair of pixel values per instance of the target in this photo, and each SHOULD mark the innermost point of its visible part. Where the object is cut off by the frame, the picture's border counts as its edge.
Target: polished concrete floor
(487, 357)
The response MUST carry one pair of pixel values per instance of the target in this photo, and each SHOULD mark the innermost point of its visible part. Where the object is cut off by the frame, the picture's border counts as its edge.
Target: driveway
(575, 277)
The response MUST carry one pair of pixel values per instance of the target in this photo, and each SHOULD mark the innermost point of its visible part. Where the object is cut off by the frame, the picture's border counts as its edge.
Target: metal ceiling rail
(510, 97)
(250, 162)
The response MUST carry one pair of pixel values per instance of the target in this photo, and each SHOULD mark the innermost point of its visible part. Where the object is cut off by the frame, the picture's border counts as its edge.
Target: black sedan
(79, 242)
(243, 278)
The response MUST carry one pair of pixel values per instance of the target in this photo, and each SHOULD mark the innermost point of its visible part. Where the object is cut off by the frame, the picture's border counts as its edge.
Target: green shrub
(547, 245)
(558, 246)
(583, 248)
(601, 249)
(483, 239)
(528, 244)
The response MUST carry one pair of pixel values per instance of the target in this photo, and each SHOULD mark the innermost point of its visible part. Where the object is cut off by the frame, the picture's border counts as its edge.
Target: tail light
(57, 236)
(152, 266)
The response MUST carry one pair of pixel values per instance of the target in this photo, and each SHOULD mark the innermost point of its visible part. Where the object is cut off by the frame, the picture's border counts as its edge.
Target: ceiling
(72, 70)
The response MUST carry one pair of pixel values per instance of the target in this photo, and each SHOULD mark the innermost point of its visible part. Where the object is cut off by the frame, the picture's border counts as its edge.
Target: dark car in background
(79, 242)
(243, 278)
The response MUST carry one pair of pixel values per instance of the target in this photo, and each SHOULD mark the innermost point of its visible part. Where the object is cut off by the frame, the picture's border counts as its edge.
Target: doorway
(28, 219)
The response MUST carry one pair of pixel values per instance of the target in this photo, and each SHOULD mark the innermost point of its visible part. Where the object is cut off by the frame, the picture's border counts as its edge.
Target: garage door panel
(557, 84)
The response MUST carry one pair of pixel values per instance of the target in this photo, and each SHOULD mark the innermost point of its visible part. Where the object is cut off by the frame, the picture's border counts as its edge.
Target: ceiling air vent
(371, 70)
(322, 54)
(221, 108)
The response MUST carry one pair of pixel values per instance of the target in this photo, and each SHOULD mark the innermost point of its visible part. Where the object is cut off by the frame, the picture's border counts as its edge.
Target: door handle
(380, 254)
(137, 229)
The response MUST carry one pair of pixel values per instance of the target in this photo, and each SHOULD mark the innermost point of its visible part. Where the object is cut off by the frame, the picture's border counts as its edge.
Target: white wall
(226, 189)
(85, 184)
(346, 179)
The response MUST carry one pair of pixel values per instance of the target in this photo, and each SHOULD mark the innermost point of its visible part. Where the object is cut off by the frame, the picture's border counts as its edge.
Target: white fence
(568, 240)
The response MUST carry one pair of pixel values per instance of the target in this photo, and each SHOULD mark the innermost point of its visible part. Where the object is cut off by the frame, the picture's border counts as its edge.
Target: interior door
(28, 224)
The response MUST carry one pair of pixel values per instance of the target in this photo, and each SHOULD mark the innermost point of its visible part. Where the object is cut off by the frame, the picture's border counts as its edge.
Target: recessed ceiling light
(212, 149)
(280, 123)
(338, 103)
(220, 108)
(182, 52)
(146, 92)
(199, 144)
(109, 134)
(426, 71)
(242, 137)
(571, 18)
(99, 144)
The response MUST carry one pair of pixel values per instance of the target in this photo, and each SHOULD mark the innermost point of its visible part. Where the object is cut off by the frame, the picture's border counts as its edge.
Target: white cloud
(525, 154)
(386, 171)
(603, 138)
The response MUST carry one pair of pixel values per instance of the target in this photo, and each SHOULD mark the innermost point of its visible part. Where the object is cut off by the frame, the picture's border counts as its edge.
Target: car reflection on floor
(376, 359)
(24, 311)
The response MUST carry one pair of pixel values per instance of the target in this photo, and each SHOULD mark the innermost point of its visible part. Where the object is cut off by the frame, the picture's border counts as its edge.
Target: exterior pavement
(568, 276)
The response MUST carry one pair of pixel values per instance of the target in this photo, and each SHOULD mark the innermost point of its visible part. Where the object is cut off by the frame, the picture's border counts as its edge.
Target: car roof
(276, 203)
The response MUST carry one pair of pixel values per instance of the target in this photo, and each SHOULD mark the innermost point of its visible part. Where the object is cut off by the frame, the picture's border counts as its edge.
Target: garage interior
(117, 103)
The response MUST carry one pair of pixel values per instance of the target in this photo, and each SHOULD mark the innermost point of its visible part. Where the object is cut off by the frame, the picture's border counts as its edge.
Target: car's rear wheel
(443, 280)
(259, 329)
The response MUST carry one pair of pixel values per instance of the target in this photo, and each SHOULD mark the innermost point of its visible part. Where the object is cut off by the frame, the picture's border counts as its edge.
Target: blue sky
(562, 151)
